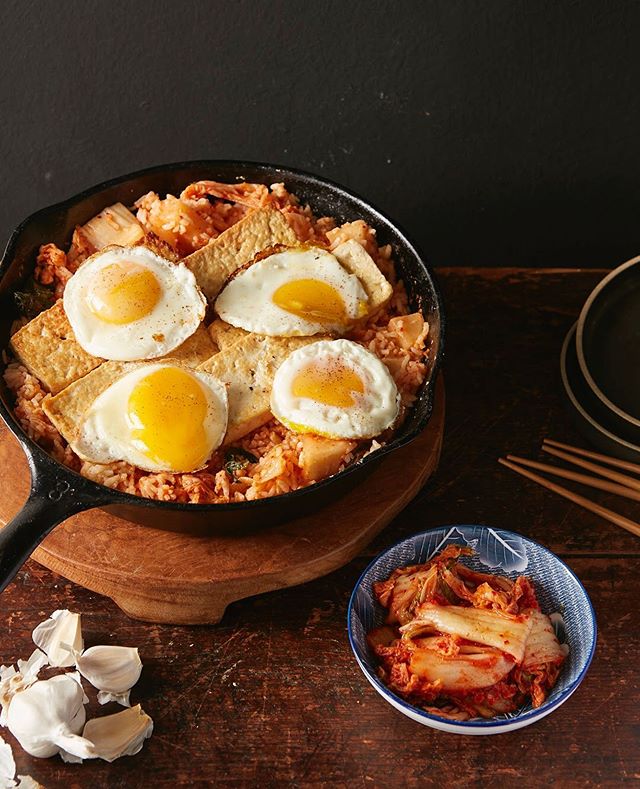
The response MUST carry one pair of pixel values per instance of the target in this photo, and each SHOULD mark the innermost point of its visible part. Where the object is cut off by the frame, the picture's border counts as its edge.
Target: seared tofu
(49, 350)
(248, 367)
(358, 261)
(215, 263)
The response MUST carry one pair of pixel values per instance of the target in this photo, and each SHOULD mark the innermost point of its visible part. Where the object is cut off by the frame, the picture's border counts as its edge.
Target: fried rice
(274, 454)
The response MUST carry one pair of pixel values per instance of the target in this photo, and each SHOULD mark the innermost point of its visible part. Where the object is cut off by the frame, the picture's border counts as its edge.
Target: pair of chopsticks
(620, 484)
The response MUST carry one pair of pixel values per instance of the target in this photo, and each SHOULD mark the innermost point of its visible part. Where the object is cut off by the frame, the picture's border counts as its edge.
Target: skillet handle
(53, 497)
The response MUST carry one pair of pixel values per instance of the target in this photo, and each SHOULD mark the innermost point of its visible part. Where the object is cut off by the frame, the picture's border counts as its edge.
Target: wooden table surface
(272, 696)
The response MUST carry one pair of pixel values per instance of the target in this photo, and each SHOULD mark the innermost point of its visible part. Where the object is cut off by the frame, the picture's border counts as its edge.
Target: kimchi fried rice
(272, 454)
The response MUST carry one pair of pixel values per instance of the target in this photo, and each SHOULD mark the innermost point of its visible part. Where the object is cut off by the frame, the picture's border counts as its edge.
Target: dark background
(498, 133)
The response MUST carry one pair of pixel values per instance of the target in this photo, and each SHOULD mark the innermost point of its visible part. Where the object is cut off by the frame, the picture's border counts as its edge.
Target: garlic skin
(30, 668)
(112, 670)
(47, 717)
(27, 782)
(7, 766)
(8, 771)
(121, 734)
(12, 681)
(55, 635)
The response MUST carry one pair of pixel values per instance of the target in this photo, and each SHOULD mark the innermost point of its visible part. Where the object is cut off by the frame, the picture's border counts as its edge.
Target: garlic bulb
(112, 670)
(121, 734)
(7, 766)
(47, 717)
(56, 634)
(12, 681)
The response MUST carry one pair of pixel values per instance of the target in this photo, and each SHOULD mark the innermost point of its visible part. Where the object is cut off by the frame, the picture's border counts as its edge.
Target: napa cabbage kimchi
(464, 644)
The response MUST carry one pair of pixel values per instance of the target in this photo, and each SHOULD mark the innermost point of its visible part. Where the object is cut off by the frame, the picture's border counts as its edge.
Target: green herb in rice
(237, 459)
(34, 299)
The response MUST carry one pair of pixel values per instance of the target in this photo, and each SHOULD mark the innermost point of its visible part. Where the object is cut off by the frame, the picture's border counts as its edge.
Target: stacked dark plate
(600, 364)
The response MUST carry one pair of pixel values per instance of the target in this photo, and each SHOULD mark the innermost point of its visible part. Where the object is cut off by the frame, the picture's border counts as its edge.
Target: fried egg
(129, 303)
(158, 417)
(295, 292)
(335, 388)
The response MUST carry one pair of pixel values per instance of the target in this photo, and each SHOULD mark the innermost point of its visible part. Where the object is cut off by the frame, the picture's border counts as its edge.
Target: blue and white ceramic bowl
(558, 589)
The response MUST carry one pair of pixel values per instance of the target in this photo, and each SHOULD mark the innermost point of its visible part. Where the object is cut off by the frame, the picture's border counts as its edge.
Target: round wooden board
(161, 576)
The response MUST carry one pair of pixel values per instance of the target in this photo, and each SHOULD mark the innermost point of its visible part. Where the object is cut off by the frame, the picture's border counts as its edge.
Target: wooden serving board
(161, 576)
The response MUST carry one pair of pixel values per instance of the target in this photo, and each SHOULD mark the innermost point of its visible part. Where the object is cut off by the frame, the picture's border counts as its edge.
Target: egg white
(247, 300)
(374, 410)
(105, 434)
(178, 313)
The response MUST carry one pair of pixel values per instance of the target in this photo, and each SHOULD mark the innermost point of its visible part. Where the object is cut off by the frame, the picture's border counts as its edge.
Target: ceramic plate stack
(600, 364)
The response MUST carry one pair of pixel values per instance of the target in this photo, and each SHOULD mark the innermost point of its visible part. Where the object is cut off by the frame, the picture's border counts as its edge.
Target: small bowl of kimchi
(472, 630)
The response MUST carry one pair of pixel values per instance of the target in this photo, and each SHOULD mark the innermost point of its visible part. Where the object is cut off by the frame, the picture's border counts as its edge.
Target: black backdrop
(498, 132)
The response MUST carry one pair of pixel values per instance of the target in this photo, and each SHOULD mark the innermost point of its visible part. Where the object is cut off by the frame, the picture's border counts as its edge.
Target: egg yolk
(313, 300)
(123, 292)
(331, 385)
(167, 410)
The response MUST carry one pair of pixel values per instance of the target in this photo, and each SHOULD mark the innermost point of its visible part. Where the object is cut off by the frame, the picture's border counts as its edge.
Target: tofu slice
(248, 367)
(224, 334)
(67, 408)
(356, 260)
(194, 350)
(49, 350)
(215, 263)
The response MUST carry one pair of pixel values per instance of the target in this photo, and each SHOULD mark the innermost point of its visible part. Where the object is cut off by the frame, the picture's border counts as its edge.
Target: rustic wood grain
(272, 696)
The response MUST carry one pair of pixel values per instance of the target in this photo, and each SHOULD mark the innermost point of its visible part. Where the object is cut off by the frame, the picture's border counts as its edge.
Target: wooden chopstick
(610, 515)
(625, 464)
(623, 479)
(584, 479)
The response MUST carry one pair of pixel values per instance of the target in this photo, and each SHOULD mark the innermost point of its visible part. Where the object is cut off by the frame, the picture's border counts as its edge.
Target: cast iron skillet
(57, 492)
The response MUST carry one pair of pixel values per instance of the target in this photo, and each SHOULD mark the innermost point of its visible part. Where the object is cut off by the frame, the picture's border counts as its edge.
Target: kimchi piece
(464, 644)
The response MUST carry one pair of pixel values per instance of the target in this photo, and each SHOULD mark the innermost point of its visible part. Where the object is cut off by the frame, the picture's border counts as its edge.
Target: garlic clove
(121, 734)
(12, 681)
(7, 765)
(62, 627)
(112, 670)
(47, 717)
